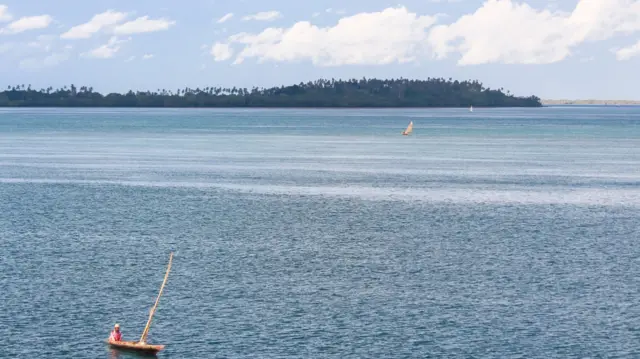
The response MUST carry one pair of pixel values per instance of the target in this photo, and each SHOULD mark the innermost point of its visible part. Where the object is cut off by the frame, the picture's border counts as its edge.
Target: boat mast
(143, 338)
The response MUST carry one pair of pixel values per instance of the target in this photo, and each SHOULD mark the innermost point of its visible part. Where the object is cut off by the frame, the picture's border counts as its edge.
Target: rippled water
(502, 233)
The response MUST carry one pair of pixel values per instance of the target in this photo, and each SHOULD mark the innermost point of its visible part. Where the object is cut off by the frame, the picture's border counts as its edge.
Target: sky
(556, 49)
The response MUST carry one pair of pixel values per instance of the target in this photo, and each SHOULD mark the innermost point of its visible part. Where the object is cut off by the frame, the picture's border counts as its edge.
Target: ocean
(303, 233)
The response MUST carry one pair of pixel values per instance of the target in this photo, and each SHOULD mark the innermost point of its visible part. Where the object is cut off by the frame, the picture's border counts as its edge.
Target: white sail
(409, 129)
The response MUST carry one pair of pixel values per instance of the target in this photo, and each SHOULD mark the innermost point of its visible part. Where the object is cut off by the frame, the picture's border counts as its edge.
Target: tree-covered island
(433, 92)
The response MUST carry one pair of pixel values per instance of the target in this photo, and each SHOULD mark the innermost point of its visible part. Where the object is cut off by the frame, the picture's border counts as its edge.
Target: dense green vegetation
(321, 93)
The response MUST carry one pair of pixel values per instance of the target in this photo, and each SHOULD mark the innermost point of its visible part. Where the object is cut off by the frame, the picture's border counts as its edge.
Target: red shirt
(116, 336)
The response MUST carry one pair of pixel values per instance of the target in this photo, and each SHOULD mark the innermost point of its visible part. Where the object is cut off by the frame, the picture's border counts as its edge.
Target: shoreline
(591, 102)
(273, 107)
(544, 103)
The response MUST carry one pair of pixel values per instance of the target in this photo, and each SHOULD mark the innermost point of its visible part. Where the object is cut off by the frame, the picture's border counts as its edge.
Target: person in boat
(116, 335)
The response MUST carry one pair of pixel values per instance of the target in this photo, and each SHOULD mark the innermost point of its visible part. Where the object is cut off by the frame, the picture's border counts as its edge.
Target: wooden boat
(409, 129)
(136, 346)
(142, 345)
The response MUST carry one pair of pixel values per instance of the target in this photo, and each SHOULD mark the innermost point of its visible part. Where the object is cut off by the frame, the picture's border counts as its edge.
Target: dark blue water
(509, 233)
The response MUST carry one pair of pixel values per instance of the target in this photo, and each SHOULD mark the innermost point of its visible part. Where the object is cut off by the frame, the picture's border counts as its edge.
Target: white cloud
(4, 13)
(147, 56)
(38, 60)
(264, 16)
(499, 31)
(339, 12)
(111, 21)
(34, 48)
(39, 52)
(225, 18)
(504, 31)
(28, 23)
(131, 58)
(107, 50)
(391, 35)
(48, 61)
(143, 24)
(628, 52)
(221, 52)
(42, 42)
(98, 22)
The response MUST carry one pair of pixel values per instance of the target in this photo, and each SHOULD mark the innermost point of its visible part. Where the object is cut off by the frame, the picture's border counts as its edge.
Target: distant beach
(591, 102)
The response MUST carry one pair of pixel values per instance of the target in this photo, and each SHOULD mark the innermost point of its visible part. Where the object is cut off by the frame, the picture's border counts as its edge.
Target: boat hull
(136, 346)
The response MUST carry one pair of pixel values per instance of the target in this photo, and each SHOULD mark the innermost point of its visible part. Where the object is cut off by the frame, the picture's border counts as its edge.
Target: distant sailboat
(408, 130)
(470, 108)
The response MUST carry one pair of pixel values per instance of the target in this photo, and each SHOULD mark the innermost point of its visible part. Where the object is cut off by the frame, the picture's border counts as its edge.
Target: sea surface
(498, 233)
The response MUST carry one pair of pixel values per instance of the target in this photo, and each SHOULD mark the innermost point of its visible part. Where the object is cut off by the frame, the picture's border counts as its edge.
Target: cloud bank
(499, 31)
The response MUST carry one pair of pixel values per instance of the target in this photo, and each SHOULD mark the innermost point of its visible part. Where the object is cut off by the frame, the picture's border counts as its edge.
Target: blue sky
(550, 48)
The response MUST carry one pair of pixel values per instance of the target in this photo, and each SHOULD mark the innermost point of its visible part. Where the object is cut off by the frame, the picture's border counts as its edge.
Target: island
(367, 93)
